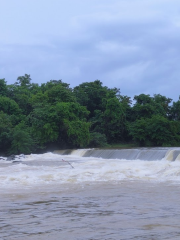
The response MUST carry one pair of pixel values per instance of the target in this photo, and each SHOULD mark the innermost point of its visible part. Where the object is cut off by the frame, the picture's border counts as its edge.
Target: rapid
(91, 194)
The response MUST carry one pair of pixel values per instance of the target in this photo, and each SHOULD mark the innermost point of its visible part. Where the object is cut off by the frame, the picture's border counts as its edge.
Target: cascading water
(91, 165)
(146, 154)
(91, 194)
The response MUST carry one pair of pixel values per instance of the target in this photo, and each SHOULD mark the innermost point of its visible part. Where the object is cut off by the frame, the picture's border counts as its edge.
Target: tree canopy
(37, 117)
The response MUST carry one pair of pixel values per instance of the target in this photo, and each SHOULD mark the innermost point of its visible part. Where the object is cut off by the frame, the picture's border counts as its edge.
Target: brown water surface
(132, 210)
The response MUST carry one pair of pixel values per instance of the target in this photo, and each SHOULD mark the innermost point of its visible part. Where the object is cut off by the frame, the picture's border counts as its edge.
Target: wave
(91, 166)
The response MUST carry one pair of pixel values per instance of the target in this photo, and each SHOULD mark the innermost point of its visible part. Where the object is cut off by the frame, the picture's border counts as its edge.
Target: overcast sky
(133, 45)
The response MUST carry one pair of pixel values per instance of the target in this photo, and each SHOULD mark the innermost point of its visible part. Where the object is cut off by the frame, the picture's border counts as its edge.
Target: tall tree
(155, 131)
(3, 87)
(24, 81)
(55, 123)
(6, 127)
(114, 120)
(92, 95)
(22, 141)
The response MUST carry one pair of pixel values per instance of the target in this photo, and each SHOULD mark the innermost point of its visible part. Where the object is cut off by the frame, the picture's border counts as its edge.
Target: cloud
(132, 45)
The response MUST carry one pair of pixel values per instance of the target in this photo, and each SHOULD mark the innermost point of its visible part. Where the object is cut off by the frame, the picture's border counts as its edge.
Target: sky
(133, 45)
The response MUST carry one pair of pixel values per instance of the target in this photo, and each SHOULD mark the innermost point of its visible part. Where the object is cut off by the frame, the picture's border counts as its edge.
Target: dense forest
(36, 118)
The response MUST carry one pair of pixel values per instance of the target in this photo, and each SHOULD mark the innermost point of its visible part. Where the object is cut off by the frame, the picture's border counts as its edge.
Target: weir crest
(147, 154)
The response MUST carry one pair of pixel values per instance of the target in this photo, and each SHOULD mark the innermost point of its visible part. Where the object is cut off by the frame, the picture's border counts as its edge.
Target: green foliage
(5, 131)
(43, 122)
(138, 131)
(97, 140)
(175, 111)
(97, 122)
(114, 120)
(156, 131)
(72, 115)
(22, 97)
(147, 106)
(38, 98)
(88, 115)
(22, 141)
(55, 123)
(24, 81)
(78, 132)
(57, 91)
(92, 95)
(9, 106)
(22, 91)
(162, 103)
(52, 83)
(3, 87)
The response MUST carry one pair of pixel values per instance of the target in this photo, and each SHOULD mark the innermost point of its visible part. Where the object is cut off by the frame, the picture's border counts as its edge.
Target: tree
(59, 93)
(146, 106)
(175, 111)
(24, 81)
(114, 121)
(77, 132)
(43, 122)
(162, 103)
(9, 106)
(73, 128)
(21, 92)
(138, 131)
(143, 107)
(39, 98)
(22, 141)
(62, 122)
(3, 87)
(97, 140)
(92, 95)
(22, 96)
(155, 131)
(6, 127)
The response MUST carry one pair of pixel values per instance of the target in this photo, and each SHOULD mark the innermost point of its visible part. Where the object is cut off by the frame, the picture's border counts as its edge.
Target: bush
(97, 140)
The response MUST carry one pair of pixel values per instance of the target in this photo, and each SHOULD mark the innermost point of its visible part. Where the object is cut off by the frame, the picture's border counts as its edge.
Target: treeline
(52, 115)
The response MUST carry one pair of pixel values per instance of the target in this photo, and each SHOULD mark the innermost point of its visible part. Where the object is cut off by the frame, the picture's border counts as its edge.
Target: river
(90, 198)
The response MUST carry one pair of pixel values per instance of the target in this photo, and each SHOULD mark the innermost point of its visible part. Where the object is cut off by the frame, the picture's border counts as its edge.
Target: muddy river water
(89, 198)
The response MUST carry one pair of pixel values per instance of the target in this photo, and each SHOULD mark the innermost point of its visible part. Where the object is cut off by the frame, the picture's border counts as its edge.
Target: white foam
(51, 170)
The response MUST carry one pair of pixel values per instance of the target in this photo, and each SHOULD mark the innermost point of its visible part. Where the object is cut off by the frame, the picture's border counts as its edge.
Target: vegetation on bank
(35, 118)
(121, 146)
